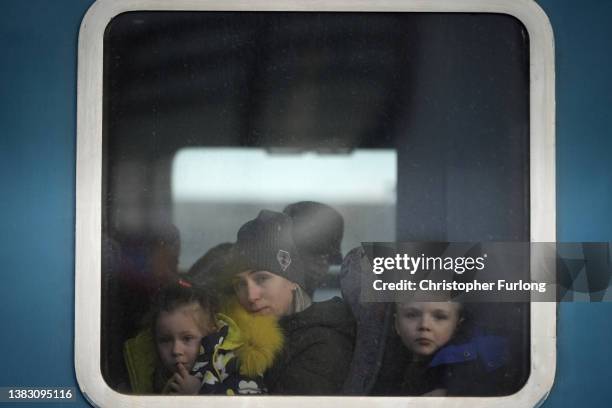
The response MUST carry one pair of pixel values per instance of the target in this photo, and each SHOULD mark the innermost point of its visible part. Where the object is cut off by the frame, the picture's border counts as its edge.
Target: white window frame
(89, 197)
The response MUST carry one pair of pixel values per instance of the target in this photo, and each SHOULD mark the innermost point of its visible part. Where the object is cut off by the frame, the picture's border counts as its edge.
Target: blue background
(38, 43)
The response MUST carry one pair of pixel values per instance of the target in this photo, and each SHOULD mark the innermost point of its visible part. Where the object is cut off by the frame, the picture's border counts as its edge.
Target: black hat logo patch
(284, 259)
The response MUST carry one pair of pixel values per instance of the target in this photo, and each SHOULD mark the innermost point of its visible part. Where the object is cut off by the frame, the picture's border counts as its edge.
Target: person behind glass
(196, 349)
(203, 271)
(444, 356)
(147, 263)
(182, 317)
(135, 268)
(268, 278)
(317, 233)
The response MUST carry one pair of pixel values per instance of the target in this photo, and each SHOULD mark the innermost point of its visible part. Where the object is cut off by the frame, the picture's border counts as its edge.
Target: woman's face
(425, 327)
(264, 293)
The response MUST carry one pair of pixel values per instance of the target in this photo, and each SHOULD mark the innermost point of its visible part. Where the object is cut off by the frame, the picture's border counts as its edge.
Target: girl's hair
(179, 294)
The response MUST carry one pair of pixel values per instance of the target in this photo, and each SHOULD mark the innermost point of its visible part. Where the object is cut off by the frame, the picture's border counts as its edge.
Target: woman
(268, 278)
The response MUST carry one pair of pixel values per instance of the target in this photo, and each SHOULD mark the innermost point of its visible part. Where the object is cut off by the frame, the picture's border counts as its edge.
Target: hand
(183, 383)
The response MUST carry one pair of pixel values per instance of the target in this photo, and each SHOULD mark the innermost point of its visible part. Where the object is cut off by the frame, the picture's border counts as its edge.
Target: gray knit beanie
(266, 243)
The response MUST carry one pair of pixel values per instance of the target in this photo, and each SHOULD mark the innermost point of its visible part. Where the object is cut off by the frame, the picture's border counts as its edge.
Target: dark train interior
(414, 126)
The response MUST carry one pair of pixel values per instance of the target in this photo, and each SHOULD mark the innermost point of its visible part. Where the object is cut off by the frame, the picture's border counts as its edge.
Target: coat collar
(490, 350)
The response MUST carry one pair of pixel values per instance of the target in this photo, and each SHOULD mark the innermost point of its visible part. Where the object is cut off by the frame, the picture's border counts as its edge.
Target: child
(444, 358)
(195, 350)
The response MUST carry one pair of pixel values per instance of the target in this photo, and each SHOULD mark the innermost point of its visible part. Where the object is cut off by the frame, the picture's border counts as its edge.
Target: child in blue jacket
(439, 361)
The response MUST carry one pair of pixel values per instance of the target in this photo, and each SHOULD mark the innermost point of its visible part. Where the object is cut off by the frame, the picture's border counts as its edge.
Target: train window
(402, 121)
(216, 190)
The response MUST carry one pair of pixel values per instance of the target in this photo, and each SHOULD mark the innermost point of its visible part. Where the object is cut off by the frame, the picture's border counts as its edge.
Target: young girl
(198, 351)
(444, 357)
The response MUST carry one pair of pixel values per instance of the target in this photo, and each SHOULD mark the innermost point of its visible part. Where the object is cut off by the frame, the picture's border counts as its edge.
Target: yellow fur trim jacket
(231, 360)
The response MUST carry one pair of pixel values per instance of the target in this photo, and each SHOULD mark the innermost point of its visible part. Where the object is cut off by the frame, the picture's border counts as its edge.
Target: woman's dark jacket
(317, 353)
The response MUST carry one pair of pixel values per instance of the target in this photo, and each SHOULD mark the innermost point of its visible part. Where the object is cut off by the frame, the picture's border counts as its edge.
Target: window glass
(216, 190)
(413, 126)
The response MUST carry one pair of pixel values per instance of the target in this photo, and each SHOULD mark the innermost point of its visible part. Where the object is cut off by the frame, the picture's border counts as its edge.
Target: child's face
(178, 334)
(425, 327)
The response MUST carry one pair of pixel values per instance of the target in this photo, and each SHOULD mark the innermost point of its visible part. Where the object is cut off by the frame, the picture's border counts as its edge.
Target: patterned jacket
(232, 360)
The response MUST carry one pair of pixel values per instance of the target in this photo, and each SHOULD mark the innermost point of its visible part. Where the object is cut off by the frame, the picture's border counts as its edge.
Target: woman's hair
(301, 300)
(179, 294)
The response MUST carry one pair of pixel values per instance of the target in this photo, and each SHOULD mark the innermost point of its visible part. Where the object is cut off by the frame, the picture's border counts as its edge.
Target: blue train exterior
(38, 48)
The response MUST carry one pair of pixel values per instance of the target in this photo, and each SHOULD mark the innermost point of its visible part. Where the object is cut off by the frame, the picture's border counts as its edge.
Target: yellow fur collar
(260, 336)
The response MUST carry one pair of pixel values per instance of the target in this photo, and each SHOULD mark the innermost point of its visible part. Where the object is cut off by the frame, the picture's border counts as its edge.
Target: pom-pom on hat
(266, 243)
